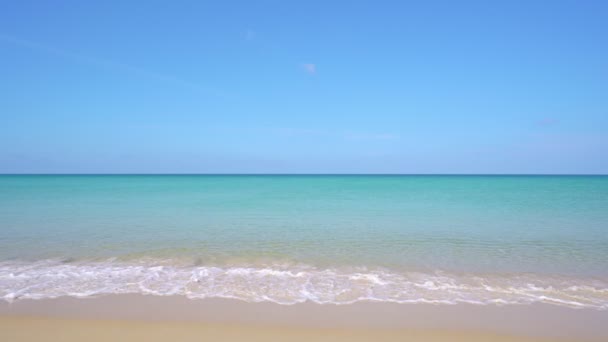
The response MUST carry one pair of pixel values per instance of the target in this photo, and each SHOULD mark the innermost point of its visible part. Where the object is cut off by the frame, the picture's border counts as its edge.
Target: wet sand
(153, 318)
(68, 330)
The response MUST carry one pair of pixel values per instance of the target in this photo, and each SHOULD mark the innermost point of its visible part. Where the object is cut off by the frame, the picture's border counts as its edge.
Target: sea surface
(295, 238)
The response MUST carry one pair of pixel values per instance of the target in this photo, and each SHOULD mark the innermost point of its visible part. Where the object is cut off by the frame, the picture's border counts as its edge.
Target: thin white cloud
(545, 122)
(249, 35)
(295, 132)
(310, 68)
(107, 64)
(335, 134)
(372, 136)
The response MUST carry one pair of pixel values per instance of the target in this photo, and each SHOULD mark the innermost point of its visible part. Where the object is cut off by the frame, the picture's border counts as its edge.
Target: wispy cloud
(108, 64)
(249, 35)
(310, 68)
(372, 136)
(546, 122)
(298, 132)
(335, 134)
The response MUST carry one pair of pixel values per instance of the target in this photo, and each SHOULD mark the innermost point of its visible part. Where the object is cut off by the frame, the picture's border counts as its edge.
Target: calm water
(328, 239)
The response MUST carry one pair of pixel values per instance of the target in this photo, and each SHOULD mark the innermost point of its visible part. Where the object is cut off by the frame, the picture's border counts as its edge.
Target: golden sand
(176, 318)
(25, 329)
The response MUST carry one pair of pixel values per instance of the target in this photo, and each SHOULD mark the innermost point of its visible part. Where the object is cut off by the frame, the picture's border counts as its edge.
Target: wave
(293, 284)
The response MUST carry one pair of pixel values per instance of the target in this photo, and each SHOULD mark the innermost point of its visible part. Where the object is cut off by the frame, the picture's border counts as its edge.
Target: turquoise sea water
(327, 239)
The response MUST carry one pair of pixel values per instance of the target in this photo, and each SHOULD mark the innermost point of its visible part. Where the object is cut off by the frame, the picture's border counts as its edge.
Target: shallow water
(328, 239)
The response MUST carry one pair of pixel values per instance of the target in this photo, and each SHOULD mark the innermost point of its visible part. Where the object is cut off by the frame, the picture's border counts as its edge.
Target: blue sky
(304, 87)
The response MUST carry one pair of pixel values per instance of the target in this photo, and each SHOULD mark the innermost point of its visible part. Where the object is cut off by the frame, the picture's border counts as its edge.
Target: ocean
(339, 239)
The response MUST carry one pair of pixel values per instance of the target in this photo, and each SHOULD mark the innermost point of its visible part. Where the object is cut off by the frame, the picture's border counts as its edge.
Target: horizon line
(297, 174)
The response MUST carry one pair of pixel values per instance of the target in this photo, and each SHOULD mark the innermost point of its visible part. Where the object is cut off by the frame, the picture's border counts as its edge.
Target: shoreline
(291, 284)
(270, 321)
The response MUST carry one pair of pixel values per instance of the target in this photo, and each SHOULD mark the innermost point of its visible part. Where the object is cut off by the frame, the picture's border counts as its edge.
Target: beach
(153, 318)
(287, 239)
(303, 257)
(34, 329)
(304, 171)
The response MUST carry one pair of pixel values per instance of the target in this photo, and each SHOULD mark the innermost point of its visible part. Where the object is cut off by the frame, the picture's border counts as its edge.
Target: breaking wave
(293, 284)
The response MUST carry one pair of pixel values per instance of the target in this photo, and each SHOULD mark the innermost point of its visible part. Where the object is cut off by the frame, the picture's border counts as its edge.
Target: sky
(304, 87)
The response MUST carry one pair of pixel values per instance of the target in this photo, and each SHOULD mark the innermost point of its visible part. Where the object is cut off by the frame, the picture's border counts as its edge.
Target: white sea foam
(293, 284)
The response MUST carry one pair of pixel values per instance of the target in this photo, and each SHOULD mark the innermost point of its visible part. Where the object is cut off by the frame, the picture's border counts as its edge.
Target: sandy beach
(431, 171)
(37, 329)
(153, 318)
